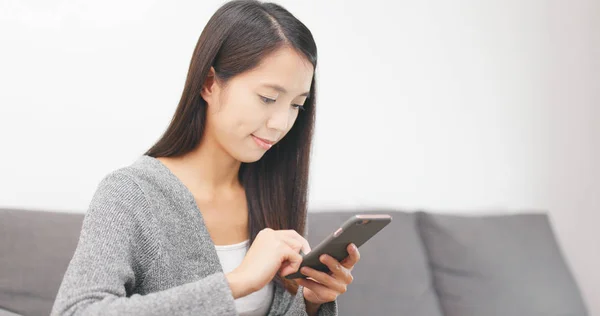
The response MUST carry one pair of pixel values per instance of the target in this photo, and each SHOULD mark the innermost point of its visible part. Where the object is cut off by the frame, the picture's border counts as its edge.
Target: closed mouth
(265, 140)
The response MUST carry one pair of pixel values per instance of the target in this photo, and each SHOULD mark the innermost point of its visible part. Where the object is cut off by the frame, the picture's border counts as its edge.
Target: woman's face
(252, 113)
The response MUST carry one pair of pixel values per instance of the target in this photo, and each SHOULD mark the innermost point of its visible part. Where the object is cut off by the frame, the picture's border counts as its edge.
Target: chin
(249, 157)
(247, 154)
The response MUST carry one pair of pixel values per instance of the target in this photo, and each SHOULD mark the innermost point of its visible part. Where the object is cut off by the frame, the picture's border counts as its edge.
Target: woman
(169, 234)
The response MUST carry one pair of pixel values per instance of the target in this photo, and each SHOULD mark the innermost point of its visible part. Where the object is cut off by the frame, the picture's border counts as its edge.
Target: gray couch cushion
(498, 265)
(392, 277)
(7, 313)
(36, 248)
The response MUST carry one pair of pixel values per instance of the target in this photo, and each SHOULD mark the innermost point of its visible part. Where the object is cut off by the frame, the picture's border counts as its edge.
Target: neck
(211, 170)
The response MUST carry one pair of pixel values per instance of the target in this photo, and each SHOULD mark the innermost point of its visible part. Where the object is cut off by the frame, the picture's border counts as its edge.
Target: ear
(209, 87)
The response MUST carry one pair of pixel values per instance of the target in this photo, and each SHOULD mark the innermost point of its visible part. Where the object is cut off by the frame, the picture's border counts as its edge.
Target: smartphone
(357, 229)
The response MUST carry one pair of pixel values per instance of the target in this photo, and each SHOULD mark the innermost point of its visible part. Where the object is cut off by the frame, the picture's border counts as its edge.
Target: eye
(298, 106)
(269, 100)
(266, 100)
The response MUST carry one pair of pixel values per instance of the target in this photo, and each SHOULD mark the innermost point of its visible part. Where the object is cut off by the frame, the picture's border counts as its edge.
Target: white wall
(452, 106)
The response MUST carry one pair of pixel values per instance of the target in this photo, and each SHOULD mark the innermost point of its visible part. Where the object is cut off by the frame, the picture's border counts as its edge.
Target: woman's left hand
(326, 287)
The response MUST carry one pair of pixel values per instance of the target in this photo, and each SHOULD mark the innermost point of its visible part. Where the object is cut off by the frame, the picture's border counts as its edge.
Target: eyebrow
(282, 89)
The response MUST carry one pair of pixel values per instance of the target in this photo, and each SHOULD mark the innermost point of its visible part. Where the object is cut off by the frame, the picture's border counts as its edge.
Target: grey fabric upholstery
(392, 275)
(491, 265)
(507, 265)
(36, 248)
(7, 313)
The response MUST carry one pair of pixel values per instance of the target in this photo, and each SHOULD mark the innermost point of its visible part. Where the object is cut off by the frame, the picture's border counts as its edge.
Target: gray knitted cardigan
(144, 250)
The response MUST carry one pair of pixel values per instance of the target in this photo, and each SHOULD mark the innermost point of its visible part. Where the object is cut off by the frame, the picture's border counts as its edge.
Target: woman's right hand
(273, 251)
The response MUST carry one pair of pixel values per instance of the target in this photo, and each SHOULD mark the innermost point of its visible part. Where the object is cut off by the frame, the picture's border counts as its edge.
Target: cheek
(244, 119)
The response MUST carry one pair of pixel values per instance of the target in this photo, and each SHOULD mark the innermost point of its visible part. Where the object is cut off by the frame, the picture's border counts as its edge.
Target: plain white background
(453, 106)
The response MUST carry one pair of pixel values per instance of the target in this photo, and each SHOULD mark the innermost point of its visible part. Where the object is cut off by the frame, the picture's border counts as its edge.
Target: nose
(279, 119)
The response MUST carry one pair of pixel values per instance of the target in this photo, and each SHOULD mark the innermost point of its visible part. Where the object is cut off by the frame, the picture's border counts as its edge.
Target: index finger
(353, 258)
(294, 234)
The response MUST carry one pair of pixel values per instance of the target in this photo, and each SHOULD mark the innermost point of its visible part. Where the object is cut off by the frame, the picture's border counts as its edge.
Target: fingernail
(304, 270)
(323, 257)
(354, 247)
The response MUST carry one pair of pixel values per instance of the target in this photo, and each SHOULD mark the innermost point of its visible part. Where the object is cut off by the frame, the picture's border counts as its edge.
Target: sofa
(421, 264)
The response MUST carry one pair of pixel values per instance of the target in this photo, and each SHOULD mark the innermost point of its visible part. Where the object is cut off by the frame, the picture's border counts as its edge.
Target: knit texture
(144, 250)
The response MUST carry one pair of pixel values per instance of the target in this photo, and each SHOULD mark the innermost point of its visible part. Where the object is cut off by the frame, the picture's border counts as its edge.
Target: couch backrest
(35, 250)
(498, 265)
(421, 264)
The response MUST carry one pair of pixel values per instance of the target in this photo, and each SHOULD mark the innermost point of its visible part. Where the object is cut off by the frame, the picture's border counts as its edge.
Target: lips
(265, 140)
(263, 143)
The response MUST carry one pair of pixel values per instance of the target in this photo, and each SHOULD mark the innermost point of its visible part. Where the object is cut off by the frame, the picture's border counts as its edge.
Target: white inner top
(254, 304)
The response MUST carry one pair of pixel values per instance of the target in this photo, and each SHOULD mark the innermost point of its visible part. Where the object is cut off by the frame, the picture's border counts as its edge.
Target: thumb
(287, 269)
(291, 265)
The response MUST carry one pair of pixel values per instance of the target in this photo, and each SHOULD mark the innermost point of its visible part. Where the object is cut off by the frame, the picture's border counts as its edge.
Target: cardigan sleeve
(299, 307)
(116, 242)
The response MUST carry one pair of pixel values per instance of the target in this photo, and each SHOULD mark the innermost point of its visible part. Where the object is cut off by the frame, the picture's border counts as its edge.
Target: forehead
(285, 67)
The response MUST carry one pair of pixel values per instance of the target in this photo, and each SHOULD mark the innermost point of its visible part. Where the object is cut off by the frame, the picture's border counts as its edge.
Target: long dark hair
(235, 40)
